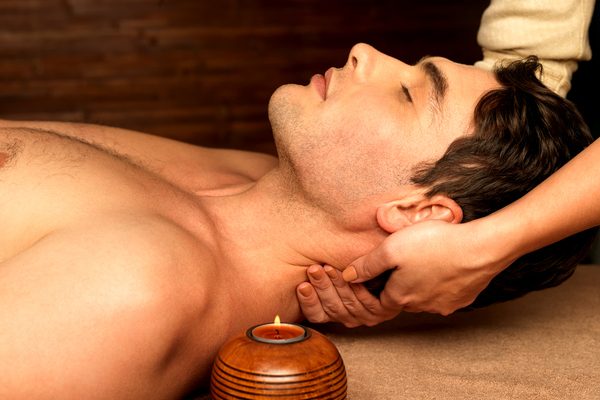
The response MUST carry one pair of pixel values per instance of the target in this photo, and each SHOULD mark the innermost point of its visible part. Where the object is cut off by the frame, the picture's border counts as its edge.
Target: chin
(286, 115)
(283, 103)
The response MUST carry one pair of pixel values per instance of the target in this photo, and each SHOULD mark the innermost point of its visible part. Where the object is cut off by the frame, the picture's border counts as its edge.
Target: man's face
(359, 130)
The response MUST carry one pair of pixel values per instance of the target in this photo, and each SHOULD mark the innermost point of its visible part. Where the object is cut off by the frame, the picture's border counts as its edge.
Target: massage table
(545, 345)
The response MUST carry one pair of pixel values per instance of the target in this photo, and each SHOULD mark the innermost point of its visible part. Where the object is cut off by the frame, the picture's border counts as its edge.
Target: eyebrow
(438, 80)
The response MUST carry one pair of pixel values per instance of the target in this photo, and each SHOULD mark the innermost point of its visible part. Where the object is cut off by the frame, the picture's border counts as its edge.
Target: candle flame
(277, 320)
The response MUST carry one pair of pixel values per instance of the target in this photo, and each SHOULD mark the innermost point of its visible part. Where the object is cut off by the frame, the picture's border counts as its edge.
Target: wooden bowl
(310, 368)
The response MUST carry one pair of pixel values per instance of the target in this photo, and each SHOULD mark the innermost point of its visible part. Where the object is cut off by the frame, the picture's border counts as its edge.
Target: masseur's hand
(437, 267)
(328, 298)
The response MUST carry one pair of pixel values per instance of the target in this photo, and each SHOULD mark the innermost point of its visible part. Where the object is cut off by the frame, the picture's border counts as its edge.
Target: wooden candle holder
(309, 367)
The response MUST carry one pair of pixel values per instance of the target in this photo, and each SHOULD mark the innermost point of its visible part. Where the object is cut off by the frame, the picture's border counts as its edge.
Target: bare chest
(48, 182)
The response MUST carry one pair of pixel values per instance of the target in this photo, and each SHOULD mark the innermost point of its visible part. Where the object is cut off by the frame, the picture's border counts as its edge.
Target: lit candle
(278, 333)
(261, 364)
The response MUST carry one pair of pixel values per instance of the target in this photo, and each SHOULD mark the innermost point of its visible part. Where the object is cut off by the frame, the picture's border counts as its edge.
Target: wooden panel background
(199, 70)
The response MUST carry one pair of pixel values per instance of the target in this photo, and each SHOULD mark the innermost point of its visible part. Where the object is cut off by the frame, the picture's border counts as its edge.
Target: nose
(362, 60)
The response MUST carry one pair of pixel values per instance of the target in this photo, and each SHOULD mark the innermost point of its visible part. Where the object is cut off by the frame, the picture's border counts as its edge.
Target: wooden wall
(200, 70)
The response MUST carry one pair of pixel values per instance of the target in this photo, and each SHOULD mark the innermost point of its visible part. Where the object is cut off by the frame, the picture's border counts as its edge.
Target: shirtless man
(126, 260)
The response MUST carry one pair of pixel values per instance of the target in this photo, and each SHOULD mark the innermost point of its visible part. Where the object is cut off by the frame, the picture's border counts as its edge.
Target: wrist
(497, 241)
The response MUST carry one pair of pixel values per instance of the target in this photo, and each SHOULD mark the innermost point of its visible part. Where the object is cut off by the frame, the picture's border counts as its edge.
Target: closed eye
(407, 94)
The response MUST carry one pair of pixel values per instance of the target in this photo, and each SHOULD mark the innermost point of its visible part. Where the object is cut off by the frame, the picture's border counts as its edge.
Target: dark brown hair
(523, 132)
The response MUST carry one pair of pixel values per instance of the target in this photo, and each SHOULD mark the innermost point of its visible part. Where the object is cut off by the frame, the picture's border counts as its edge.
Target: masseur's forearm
(566, 203)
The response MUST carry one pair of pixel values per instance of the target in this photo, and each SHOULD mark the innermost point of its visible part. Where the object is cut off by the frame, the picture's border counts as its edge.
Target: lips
(319, 83)
(328, 75)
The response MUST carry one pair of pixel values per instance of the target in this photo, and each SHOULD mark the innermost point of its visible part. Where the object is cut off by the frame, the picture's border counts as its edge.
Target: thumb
(370, 265)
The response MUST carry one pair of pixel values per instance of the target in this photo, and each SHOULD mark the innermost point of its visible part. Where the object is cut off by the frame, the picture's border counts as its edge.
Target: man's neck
(269, 224)
(263, 236)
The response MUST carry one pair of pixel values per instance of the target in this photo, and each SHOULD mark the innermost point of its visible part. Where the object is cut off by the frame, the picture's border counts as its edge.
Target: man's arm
(555, 31)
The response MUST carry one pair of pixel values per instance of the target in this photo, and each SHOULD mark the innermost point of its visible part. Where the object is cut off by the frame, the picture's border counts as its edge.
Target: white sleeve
(554, 30)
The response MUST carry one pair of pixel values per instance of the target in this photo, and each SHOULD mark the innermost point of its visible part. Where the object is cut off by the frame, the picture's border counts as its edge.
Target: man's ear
(397, 214)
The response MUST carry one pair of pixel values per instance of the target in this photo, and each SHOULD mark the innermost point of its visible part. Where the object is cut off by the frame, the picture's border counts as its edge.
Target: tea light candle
(278, 333)
(280, 361)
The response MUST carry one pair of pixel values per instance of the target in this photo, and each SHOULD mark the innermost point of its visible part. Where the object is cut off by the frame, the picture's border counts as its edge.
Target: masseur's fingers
(349, 304)
(373, 264)
(310, 304)
(376, 311)
(357, 300)
(328, 294)
(345, 299)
